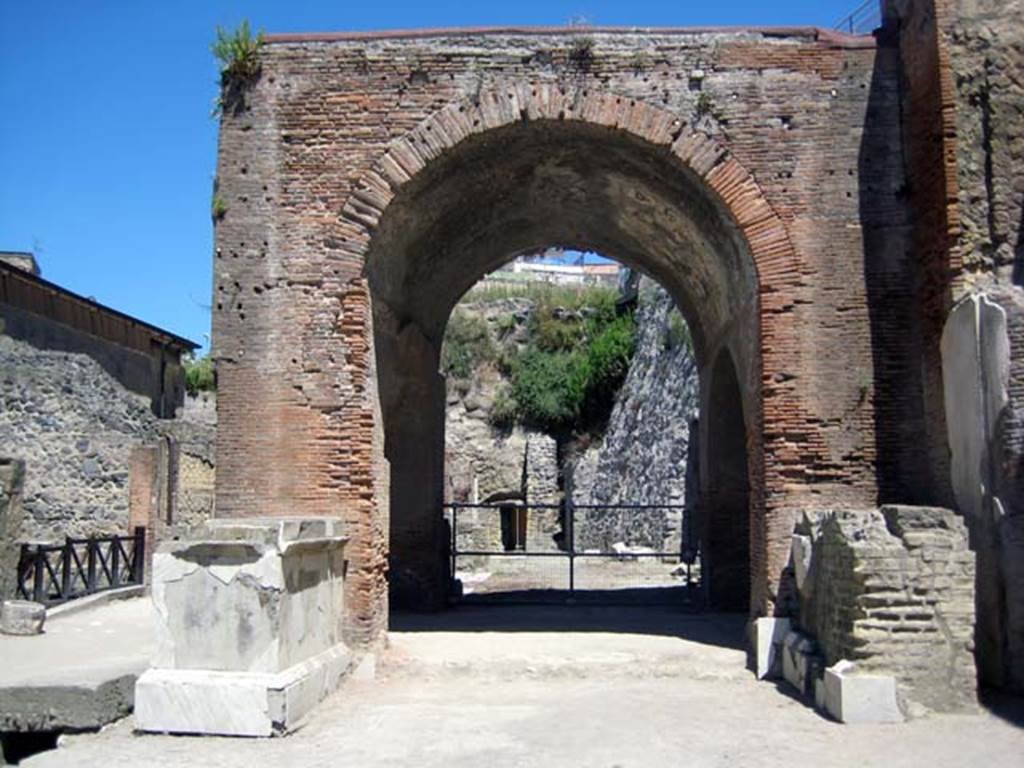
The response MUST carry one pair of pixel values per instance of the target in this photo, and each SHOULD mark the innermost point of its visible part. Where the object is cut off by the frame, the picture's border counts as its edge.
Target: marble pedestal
(249, 618)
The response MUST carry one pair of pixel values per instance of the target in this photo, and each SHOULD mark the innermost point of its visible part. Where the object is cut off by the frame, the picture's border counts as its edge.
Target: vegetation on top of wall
(238, 54)
(581, 54)
(199, 374)
(560, 368)
(572, 390)
(566, 296)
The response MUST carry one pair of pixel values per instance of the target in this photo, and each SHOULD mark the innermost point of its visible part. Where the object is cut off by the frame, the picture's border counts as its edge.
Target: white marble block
(800, 662)
(768, 634)
(851, 697)
(249, 622)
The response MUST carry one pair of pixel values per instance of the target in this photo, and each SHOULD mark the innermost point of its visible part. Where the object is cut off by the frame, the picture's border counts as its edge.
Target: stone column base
(198, 701)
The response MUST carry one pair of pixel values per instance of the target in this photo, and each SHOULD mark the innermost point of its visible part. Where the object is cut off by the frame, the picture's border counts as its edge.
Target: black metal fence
(863, 20)
(56, 573)
(633, 552)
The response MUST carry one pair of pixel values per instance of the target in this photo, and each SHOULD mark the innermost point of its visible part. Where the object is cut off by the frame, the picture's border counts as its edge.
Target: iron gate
(513, 551)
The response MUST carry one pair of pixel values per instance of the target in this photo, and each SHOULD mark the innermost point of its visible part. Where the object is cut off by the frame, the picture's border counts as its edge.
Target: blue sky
(107, 147)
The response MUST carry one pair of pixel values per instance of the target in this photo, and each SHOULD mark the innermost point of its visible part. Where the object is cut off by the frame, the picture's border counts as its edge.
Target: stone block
(249, 627)
(768, 635)
(819, 693)
(975, 368)
(799, 662)
(851, 697)
(22, 617)
(236, 703)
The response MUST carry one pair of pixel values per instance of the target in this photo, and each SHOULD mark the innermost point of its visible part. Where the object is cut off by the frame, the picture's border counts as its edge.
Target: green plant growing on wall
(640, 62)
(581, 54)
(864, 384)
(218, 208)
(705, 105)
(200, 375)
(238, 54)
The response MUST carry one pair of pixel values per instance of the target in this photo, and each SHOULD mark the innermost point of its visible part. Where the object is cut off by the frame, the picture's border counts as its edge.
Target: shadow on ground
(1003, 705)
(721, 629)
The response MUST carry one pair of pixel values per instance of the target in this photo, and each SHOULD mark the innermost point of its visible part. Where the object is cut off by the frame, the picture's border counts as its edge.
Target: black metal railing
(56, 573)
(566, 544)
(864, 19)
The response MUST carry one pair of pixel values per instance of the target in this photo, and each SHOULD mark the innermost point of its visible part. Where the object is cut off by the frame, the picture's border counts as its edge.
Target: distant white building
(526, 269)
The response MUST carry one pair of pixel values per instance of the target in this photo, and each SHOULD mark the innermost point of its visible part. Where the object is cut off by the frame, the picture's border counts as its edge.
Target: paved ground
(81, 647)
(482, 688)
(559, 641)
(80, 673)
(600, 723)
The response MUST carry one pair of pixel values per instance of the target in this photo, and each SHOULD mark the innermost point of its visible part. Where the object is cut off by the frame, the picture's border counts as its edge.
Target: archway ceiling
(541, 183)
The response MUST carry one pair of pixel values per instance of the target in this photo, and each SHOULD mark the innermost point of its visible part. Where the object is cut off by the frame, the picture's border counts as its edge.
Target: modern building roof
(22, 287)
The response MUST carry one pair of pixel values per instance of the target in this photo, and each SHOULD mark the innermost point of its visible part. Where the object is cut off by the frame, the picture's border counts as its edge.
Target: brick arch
(764, 234)
(764, 231)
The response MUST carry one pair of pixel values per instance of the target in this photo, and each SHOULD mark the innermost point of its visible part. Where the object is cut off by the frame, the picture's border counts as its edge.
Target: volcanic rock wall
(75, 427)
(642, 457)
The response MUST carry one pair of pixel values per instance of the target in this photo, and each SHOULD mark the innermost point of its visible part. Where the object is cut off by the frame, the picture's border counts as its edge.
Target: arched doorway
(518, 187)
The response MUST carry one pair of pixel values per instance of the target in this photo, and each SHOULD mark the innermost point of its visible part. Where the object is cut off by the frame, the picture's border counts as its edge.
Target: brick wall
(768, 129)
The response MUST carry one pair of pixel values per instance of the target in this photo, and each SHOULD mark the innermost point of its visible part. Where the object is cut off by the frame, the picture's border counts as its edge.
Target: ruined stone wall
(75, 427)
(486, 464)
(892, 590)
(194, 434)
(985, 40)
(12, 474)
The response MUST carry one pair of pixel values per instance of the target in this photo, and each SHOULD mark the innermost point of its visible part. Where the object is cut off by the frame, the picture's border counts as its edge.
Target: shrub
(562, 322)
(467, 345)
(607, 363)
(572, 389)
(218, 208)
(505, 409)
(200, 375)
(564, 380)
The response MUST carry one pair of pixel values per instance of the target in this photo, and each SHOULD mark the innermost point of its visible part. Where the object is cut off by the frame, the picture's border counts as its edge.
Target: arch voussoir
(504, 104)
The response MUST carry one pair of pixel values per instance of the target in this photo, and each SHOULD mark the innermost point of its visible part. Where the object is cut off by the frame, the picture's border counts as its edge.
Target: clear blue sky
(107, 147)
